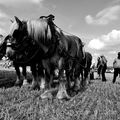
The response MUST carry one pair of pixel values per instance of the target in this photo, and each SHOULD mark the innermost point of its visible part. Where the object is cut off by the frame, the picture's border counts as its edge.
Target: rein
(29, 59)
(22, 48)
(22, 43)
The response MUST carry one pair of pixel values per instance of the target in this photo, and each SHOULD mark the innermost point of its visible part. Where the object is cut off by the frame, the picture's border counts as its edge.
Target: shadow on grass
(8, 78)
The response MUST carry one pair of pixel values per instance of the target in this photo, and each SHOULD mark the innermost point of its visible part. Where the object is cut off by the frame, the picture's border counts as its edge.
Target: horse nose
(9, 53)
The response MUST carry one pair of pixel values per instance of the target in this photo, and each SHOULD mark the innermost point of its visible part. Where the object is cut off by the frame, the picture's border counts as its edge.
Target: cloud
(96, 44)
(14, 2)
(105, 16)
(115, 1)
(96, 54)
(106, 42)
(3, 18)
(3, 15)
(111, 38)
(112, 52)
(36, 1)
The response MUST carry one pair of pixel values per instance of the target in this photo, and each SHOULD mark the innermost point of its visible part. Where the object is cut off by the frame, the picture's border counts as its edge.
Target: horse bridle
(18, 47)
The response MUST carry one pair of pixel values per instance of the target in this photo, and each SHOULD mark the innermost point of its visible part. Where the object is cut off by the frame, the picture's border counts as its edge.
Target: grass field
(99, 101)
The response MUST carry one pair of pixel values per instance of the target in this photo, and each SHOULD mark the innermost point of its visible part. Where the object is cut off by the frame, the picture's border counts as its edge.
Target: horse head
(16, 34)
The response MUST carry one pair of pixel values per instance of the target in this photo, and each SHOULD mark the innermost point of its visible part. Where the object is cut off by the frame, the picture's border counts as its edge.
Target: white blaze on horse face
(13, 27)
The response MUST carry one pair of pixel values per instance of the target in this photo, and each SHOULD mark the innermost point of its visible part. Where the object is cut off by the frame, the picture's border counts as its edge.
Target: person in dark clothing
(92, 72)
(102, 66)
(116, 66)
(99, 66)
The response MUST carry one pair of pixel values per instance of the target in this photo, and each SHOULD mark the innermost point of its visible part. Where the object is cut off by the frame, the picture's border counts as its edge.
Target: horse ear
(11, 20)
(18, 21)
(83, 44)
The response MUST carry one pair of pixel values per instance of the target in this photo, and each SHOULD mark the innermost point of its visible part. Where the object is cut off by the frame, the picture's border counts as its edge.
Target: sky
(96, 22)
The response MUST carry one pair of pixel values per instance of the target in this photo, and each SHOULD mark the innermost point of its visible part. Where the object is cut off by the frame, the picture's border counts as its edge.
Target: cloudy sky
(96, 22)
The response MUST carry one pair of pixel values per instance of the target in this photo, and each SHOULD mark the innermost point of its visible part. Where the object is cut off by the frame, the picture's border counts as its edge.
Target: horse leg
(48, 79)
(82, 77)
(25, 82)
(35, 83)
(18, 80)
(62, 92)
(86, 72)
(41, 73)
(77, 80)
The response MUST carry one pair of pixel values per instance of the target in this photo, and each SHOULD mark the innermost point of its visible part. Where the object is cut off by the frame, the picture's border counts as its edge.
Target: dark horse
(71, 51)
(87, 64)
(34, 42)
(83, 69)
(7, 46)
(28, 45)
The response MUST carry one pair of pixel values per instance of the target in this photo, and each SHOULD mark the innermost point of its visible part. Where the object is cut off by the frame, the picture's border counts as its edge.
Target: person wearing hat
(116, 66)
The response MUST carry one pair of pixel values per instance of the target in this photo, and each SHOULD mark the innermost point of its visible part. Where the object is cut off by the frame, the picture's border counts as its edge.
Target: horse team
(44, 47)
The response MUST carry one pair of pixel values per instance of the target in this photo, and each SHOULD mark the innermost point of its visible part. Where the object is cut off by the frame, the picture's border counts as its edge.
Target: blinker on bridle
(9, 44)
(8, 41)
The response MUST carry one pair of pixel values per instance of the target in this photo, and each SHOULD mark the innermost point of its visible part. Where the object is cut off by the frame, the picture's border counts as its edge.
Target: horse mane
(39, 30)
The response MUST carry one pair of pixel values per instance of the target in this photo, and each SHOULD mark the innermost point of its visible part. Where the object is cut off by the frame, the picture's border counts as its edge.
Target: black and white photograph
(59, 59)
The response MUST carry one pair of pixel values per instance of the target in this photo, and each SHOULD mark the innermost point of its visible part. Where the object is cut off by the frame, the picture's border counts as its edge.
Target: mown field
(99, 101)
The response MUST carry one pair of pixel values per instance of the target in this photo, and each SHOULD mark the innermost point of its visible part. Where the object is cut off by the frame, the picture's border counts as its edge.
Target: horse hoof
(25, 83)
(46, 94)
(63, 95)
(35, 86)
(18, 83)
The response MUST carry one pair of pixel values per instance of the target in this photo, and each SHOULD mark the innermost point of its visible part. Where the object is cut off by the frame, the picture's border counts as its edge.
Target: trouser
(116, 72)
(99, 70)
(103, 72)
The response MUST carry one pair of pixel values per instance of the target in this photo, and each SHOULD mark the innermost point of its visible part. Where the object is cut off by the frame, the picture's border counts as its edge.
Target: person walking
(116, 66)
(99, 66)
(104, 67)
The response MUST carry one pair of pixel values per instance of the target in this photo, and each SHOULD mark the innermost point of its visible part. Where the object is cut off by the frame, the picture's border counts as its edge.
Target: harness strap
(68, 56)
(29, 59)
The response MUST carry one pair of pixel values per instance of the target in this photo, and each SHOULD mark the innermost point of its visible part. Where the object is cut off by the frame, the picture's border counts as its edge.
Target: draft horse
(18, 61)
(82, 70)
(29, 43)
(37, 39)
(71, 50)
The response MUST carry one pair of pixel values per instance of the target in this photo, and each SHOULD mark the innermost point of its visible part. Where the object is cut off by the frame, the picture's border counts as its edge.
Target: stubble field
(99, 101)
